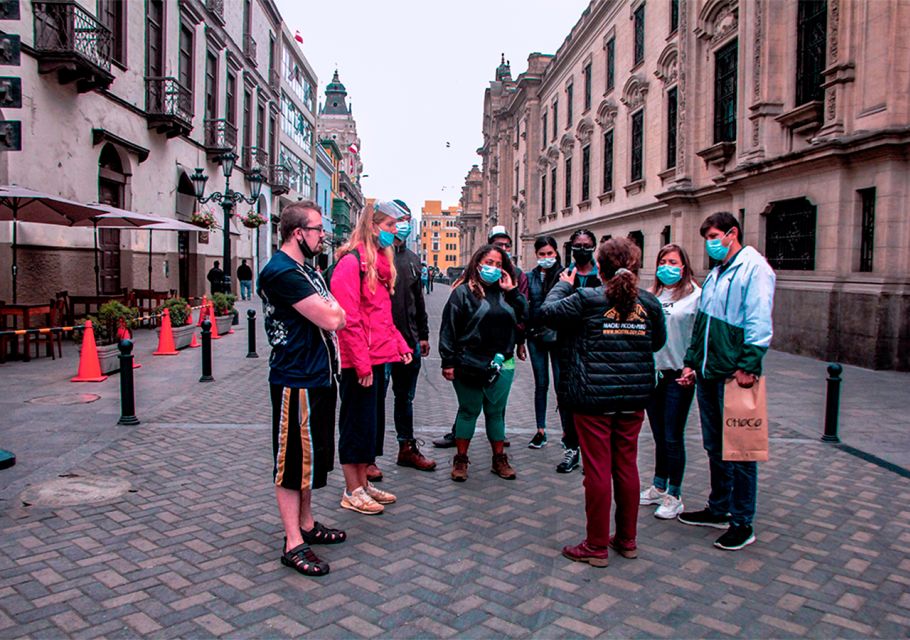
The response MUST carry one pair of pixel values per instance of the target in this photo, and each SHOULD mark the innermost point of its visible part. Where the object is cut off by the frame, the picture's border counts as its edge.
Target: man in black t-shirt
(301, 318)
(245, 276)
(215, 277)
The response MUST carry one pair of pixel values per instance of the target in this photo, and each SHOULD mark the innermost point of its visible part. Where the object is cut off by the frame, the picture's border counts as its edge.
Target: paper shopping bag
(745, 422)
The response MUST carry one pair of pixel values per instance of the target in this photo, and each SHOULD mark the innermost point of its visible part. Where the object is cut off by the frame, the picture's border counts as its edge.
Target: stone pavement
(191, 550)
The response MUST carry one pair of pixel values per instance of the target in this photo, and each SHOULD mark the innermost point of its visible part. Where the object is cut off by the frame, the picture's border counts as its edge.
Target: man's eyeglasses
(315, 228)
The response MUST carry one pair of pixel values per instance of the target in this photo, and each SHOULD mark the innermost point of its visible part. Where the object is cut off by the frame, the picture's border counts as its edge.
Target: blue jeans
(541, 353)
(668, 412)
(246, 289)
(404, 386)
(734, 485)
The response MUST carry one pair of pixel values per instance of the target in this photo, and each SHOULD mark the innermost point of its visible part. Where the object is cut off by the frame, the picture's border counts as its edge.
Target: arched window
(111, 177)
(112, 190)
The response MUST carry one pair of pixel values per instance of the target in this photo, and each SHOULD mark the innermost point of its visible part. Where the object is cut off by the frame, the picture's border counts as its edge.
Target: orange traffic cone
(202, 310)
(194, 344)
(215, 335)
(89, 364)
(166, 345)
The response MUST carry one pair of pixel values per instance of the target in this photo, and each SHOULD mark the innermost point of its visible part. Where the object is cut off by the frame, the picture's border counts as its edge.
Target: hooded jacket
(733, 327)
(608, 361)
(409, 309)
(369, 336)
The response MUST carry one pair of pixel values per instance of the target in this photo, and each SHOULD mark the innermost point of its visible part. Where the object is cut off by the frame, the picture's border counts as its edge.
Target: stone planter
(183, 336)
(109, 357)
(224, 323)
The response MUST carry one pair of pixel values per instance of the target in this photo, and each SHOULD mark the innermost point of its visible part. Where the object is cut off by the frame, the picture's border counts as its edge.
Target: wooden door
(109, 260)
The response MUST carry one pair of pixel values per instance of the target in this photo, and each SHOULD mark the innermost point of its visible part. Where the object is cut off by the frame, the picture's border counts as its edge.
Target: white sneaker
(651, 495)
(670, 507)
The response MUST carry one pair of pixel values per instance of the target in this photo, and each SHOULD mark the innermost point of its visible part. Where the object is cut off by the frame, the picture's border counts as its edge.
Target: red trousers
(609, 446)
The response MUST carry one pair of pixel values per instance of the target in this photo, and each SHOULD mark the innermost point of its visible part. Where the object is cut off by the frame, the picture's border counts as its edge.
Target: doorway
(183, 263)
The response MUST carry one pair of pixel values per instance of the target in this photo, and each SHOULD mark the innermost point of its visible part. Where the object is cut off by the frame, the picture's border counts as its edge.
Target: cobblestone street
(191, 550)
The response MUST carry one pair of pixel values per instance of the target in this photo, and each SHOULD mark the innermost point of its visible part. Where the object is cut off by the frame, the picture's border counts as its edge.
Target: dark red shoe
(594, 556)
(626, 550)
(409, 455)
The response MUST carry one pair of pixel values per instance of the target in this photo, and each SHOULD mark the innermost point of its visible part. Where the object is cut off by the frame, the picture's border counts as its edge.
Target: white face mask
(546, 263)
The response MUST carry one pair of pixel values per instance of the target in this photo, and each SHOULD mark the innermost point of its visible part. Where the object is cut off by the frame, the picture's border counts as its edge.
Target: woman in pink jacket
(362, 282)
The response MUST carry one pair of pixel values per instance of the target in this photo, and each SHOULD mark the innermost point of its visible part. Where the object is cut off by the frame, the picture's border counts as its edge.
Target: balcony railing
(169, 106)
(280, 179)
(255, 157)
(220, 136)
(72, 42)
(216, 8)
(249, 48)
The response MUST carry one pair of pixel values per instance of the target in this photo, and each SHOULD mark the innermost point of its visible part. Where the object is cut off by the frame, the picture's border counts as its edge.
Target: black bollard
(251, 330)
(832, 404)
(127, 389)
(206, 352)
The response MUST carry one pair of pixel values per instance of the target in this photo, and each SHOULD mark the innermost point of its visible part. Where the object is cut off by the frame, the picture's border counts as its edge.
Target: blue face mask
(669, 275)
(489, 274)
(716, 249)
(386, 239)
(546, 263)
(402, 230)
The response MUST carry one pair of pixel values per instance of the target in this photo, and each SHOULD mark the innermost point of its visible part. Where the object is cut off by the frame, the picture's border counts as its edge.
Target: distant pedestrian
(363, 279)
(410, 316)
(732, 333)
(668, 410)
(215, 277)
(425, 277)
(477, 343)
(613, 331)
(582, 272)
(301, 317)
(431, 275)
(245, 277)
(541, 339)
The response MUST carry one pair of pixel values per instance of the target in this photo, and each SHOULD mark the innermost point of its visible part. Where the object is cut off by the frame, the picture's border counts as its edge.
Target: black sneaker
(539, 441)
(569, 461)
(445, 442)
(737, 537)
(704, 518)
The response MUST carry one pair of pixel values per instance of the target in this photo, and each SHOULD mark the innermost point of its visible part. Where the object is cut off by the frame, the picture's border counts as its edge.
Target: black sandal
(321, 534)
(302, 559)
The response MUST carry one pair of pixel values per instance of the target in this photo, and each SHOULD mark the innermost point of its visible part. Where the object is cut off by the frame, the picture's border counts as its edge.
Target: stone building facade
(470, 222)
(793, 115)
(122, 101)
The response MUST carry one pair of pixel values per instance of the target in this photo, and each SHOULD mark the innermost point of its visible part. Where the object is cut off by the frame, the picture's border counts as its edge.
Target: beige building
(440, 237)
(121, 101)
(470, 222)
(793, 115)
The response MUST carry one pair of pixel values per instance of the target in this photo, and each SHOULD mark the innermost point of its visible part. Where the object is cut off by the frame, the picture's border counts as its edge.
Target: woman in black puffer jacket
(612, 333)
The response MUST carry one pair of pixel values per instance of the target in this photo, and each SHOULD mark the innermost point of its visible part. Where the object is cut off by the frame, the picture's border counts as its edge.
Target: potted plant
(252, 219)
(112, 322)
(205, 219)
(181, 321)
(224, 310)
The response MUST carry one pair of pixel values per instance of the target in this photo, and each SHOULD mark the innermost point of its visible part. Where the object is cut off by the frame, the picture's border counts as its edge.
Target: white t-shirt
(680, 317)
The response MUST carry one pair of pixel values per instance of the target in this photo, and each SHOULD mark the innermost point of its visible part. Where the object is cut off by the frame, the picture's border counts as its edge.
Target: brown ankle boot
(501, 466)
(409, 456)
(460, 467)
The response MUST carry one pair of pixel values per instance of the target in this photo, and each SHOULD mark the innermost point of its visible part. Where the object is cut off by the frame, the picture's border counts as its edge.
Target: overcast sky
(415, 72)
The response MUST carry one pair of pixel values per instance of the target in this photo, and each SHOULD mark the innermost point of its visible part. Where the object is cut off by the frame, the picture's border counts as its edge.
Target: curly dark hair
(620, 254)
(471, 274)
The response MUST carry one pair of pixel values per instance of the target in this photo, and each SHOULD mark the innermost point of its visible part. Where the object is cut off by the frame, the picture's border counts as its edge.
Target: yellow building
(439, 236)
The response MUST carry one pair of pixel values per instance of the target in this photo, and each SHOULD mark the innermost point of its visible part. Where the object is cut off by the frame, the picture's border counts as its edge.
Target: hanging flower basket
(252, 220)
(205, 219)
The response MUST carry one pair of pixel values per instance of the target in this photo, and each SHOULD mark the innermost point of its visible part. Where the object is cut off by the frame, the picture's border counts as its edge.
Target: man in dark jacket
(410, 316)
(216, 278)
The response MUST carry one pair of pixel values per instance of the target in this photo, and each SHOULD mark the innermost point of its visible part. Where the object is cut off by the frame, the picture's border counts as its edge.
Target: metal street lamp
(228, 199)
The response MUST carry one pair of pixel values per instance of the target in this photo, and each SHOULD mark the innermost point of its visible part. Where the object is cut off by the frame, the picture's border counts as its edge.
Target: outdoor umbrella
(21, 204)
(112, 217)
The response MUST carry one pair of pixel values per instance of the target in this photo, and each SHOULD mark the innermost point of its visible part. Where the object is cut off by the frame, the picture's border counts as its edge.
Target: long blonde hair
(363, 234)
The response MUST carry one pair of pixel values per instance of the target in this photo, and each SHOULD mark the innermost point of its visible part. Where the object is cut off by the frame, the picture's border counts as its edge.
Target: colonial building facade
(795, 116)
(122, 101)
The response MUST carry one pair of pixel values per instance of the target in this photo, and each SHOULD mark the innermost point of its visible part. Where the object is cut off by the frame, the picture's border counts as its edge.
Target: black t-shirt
(302, 354)
(244, 272)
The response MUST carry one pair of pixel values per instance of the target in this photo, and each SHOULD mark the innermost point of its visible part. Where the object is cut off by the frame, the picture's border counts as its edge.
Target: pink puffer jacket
(369, 336)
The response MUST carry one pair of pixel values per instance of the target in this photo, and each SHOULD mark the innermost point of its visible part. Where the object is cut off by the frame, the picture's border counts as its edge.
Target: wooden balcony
(256, 158)
(280, 179)
(168, 106)
(220, 137)
(70, 42)
(249, 48)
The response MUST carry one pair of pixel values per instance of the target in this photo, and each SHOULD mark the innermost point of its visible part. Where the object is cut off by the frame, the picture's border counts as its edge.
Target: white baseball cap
(498, 230)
